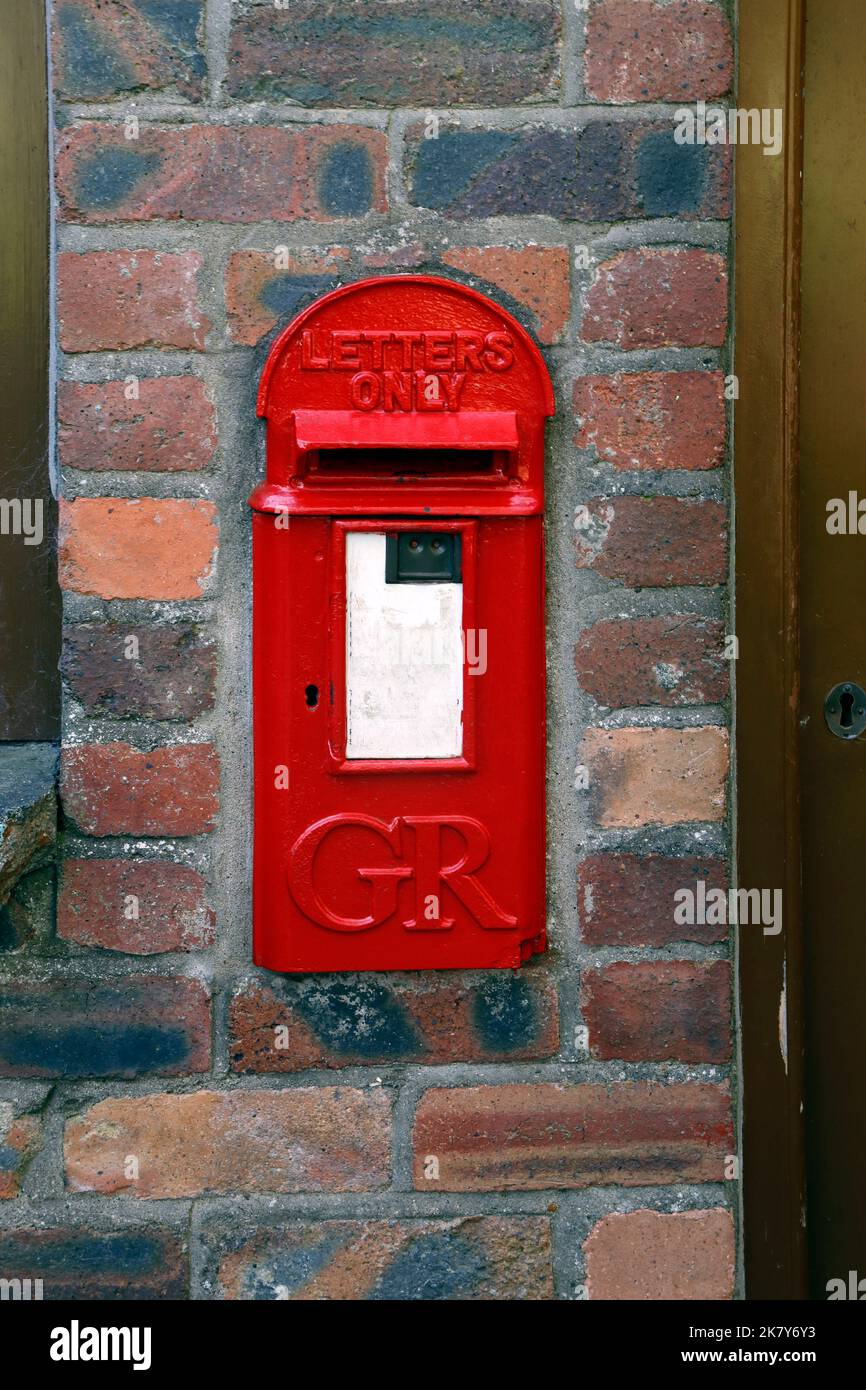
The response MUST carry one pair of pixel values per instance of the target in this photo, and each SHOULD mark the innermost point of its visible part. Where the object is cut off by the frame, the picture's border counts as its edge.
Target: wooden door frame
(30, 607)
(767, 829)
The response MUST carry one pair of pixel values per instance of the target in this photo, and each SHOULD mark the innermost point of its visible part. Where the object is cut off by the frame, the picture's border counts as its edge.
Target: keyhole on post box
(847, 704)
(312, 696)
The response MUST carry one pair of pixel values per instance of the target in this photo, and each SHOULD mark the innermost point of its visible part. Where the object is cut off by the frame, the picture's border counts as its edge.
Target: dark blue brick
(106, 179)
(139, 1263)
(91, 67)
(345, 183)
(433, 1266)
(413, 53)
(601, 159)
(670, 179)
(179, 21)
(505, 1014)
(101, 1028)
(105, 48)
(446, 168)
(82, 1051)
(291, 1268)
(537, 175)
(357, 1018)
(285, 295)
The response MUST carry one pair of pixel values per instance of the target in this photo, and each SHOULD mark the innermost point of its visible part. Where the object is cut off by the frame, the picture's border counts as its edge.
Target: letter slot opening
(348, 445)
(399, 462)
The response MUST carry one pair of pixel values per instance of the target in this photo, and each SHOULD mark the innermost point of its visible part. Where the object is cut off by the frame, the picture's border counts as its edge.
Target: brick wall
(564, 1131)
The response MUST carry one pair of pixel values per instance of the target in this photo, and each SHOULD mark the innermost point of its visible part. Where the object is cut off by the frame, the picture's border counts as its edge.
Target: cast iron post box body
(398, 635)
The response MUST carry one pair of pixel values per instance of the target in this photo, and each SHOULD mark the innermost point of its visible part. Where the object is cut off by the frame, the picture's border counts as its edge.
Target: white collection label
(404, 660)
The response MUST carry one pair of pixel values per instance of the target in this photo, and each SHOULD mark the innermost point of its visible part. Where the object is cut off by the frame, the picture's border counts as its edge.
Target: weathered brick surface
(286, 1025)
(103, 50)
(607, 171)
(531, 278)
(656, 776)
(523, 1137)
(403, 255)
(659, 1011)
(131, 1263)
(140, 547)
(674, 660)
(652, 1255)
(322, 1139)
(465, 1258)
(259, 294)
(655, 541)
(20, 1136)
(653, 420)
(628, 899)
(28, 810)
(536, 277)
(337, 53)
(142, 906)
(112, 789)
(641, 50)
(220, 173)
(169, 426)
(129, 299)
(27, 917)
(249, 208)
(82, 1026)
(166, 672)
(659, 296)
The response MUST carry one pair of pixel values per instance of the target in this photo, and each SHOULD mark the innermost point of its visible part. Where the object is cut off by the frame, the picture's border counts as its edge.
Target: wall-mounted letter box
(398, 616)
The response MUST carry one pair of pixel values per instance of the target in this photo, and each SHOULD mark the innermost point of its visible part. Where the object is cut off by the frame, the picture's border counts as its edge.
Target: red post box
(398, 635)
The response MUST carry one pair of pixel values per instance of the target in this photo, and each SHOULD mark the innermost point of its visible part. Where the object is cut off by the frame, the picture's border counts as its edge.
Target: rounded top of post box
(403, 394)
(433, 325)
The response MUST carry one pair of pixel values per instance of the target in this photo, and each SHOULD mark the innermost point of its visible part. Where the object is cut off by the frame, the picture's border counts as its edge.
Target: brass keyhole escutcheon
(845, 710)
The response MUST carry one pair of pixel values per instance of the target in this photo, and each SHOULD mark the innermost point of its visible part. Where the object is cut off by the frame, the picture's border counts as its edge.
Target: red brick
(655, 1256)
(656, 776)
(316, 1139)
(347, 1020)
(169, 674)
(20, 1137)
(208, 173)
(406, 255)
(103, 50)
(655, 541)
(628, 899)
(658, 297)
(528, 1137)
(169, 427)
(639, 50)
(135, 1263)
(655, 420)
(94, 903)
(112, 789)
(129, 299)
(464, 1258)
(142, 547)
(659, 1011)
(339, 53)
(675, 660)
(81, 1026)
(537, 277)
(259, 295)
